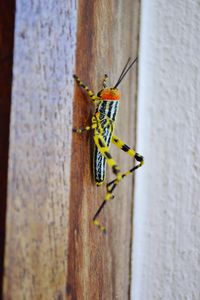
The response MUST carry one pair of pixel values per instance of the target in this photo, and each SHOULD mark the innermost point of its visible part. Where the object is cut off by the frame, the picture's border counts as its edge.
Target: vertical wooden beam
(7, 12)
(98, 265)
(39, 156)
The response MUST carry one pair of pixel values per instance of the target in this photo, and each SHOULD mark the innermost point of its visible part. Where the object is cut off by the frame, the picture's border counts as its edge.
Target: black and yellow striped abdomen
(107, 112)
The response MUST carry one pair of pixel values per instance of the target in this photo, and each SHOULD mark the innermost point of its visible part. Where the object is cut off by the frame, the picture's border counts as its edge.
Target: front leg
(86, 88)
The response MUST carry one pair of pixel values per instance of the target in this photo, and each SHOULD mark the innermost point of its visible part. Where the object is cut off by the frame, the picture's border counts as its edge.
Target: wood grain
(39, 156)
(98, 265)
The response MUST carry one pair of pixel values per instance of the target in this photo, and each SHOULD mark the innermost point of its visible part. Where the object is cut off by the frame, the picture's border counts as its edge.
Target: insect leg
(120, 144)
(105, 81)
(101, 145)
(86, 88)
(112, 185)
(95, 124)
(80, 130)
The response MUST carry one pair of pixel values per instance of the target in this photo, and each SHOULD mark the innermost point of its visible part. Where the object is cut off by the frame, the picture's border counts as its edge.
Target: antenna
(125, 71)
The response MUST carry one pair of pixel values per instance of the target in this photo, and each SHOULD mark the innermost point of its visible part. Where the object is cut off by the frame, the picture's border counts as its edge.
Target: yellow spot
(127, 173)
(102, 228)
(99, 183)
(119, 176)
(95, 222)
(107, 197)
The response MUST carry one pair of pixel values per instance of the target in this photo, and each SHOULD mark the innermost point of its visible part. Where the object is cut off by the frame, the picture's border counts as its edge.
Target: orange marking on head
(110, 94)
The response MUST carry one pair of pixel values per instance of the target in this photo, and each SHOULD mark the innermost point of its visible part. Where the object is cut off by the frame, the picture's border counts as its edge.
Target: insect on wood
(102, 123)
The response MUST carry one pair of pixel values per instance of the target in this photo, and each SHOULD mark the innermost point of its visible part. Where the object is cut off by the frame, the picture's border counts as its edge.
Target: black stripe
(102, 107)
(107, 154)
(110, 106)
(139, 157)
(113, 187)
(125, 148)
(101, 143)
(115, 170)
(134, 168)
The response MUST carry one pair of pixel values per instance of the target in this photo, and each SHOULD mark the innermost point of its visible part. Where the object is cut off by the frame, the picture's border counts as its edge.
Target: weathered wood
(39, 156)
(98, 265)
(7, 12)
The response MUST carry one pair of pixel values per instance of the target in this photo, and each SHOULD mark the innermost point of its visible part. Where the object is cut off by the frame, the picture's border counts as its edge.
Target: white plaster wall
(166, 250)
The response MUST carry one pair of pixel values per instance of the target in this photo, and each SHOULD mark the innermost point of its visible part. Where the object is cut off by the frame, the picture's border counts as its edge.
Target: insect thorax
(108, 109)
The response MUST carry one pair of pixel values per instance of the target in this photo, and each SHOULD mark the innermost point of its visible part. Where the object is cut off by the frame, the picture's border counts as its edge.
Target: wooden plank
(7, 12)
(39, 156)
(98, 265)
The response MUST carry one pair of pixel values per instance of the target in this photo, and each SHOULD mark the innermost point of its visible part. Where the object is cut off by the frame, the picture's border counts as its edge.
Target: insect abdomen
(106, 109)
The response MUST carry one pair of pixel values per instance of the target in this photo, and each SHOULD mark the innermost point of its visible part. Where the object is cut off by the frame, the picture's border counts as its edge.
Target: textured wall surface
(166, 254)
(39, 156)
